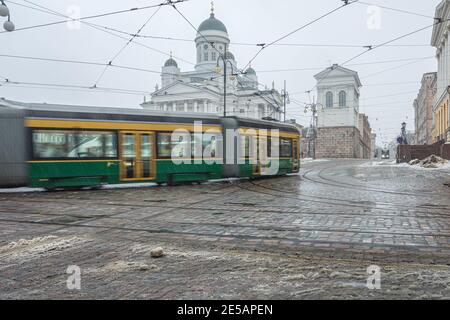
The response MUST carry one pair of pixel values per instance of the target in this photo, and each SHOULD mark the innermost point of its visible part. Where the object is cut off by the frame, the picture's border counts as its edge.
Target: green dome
(230, 56)
(212, 24)
(171, 63)
(250, 70)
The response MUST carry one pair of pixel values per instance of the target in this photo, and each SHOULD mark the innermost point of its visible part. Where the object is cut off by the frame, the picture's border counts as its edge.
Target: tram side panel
(13, 148)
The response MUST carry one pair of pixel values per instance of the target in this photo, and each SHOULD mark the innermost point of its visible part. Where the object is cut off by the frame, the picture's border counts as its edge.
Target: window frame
(329, 99)
(342, 98)
(76, 132)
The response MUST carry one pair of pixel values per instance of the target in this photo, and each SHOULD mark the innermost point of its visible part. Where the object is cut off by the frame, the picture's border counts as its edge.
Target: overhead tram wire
(396, 10)
(371, 48)
(68, 86)
(355, 64)
(126, 45)
(108, 31)
(264, 46)
(96, 16)
(92, 63)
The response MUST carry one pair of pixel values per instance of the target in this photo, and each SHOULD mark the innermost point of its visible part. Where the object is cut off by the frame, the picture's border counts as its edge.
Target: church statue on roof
(201, 90)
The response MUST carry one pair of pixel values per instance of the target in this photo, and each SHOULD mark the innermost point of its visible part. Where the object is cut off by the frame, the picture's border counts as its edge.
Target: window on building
(206, 56)
(329, 99)
(213, 56)
(342, 99)
(180, 107)
(73, 144)
(190, 106)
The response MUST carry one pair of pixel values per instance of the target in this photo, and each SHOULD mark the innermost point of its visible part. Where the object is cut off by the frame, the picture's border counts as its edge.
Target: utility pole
(313, 135)
(225, 82)
(284, 100)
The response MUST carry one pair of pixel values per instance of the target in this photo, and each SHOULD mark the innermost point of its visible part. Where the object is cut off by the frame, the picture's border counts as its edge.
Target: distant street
(307, 236)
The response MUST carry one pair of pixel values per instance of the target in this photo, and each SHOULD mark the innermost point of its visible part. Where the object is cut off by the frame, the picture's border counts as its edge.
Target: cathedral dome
(230, 56)
(250, 70)
(171, 63)
(212, 24)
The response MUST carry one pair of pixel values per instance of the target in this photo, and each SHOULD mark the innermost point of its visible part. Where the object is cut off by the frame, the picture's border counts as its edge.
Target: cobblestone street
(305, 236)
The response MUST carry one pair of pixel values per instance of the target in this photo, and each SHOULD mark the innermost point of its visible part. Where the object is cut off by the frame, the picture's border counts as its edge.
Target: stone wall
(338, 142)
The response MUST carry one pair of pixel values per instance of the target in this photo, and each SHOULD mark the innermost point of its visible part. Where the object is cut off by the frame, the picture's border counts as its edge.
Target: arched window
(329, 99)
(342, 99)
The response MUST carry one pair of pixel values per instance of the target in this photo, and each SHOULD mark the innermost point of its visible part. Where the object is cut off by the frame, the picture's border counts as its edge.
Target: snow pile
(432, 162)
(38, 247)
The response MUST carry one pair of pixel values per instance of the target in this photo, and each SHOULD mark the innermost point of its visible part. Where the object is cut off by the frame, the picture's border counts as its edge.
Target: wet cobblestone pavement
(305, 236)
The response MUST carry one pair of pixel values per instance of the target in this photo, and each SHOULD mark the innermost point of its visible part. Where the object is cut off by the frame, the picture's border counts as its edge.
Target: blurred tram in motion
(57, 146)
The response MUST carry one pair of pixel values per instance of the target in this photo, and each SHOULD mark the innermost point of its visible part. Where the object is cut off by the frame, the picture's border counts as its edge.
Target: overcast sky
(389, 88)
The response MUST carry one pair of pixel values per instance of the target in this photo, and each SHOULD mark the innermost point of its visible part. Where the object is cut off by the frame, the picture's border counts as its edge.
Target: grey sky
(249, 21)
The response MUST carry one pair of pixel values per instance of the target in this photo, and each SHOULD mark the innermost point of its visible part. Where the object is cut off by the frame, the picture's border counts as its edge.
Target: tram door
(137, 150)
(295, 151)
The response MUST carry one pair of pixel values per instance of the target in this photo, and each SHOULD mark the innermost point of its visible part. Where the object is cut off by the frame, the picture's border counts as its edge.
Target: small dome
(171, 63)
(250, 70)
(230, 56)
(212, 24)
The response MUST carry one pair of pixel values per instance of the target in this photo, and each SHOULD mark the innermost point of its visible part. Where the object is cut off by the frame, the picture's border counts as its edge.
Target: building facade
(341, 131)
(423, 109)
(373, 145)
(202, 89)
(440, 40)
(365, 134)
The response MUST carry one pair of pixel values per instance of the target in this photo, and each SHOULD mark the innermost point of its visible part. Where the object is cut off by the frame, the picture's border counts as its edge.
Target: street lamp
(314, 107)
(4, 12)
(223, 57)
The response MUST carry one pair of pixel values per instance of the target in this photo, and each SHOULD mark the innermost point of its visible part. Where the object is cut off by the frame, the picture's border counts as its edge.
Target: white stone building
(342, 132)
(202, 90)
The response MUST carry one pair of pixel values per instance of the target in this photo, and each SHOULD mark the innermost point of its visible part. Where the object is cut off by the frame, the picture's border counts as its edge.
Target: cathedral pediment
(182, 88)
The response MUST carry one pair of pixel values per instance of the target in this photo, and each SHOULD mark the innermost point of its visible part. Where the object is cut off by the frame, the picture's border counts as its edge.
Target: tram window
(183, 145)
(74, 144)
(164, 146)
(93, 144)
(245, 147)
(210, 145)
(285, 148)
(53, 144)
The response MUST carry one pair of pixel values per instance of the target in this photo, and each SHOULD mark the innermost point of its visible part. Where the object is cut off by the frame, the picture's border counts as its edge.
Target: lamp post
(314, 109)
(4, 12)
(223, 57)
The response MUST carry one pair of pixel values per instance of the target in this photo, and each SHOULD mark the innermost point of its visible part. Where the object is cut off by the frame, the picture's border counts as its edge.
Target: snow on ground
(21, 190)
(439, 166)
(109, 186)
(313, 160)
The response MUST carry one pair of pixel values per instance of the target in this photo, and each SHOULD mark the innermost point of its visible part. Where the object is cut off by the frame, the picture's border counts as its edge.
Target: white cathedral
(202, 90)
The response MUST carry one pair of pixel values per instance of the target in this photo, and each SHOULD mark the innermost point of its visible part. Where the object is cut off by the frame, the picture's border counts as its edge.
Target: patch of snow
(129, 185)
(313, 160)
(21, 190)
(38, 247)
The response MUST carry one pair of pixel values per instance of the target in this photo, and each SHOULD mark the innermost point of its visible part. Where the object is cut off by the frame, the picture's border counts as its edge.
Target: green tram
(53, 146)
